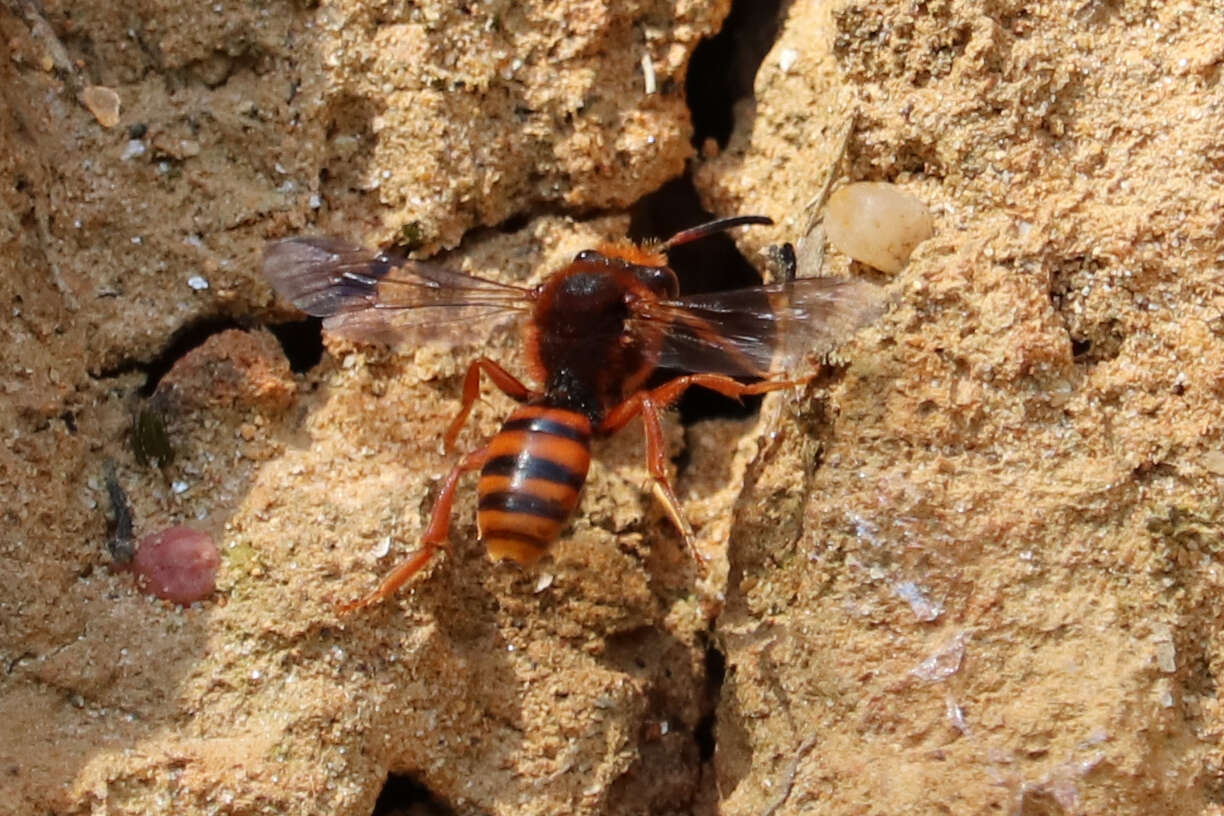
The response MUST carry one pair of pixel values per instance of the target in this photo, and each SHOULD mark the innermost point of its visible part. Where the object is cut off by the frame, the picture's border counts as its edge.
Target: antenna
(712, 227)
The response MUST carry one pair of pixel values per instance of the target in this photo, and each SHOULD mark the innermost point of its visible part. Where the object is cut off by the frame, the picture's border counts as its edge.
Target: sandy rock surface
(975, 567)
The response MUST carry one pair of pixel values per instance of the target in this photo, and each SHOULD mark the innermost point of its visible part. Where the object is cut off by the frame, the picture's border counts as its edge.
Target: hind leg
(433, 539)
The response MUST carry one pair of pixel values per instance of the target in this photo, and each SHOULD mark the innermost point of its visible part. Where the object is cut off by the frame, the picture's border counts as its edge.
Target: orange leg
(656, 461)
(503, 379)
(434, 537)
(648, 404)
(670, 391)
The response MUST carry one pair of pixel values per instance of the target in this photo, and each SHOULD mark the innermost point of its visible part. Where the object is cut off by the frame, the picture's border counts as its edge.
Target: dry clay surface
(974, 569)
(1000, 585)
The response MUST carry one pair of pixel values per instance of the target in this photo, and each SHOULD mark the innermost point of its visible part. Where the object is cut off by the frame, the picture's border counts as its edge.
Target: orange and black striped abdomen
(529, 485)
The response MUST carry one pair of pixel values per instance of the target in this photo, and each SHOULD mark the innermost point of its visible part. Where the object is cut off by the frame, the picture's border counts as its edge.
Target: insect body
(596, 330)
(529, 483)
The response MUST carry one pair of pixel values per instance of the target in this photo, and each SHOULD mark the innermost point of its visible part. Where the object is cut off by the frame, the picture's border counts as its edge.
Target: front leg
(656, 462)
(670, 391)
(648, 404)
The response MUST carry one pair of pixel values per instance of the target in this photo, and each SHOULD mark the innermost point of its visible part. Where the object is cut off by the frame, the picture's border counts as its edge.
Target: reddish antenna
(711, 227)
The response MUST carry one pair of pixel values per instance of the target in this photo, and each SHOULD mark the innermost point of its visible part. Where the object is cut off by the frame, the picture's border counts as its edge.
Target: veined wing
(761, 330)
(377, 297)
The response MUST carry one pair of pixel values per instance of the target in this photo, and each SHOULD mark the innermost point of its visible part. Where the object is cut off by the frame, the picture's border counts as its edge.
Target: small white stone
(1166, 656)
(198, 282)
(924, 609)
(877, 223)
(134, 148)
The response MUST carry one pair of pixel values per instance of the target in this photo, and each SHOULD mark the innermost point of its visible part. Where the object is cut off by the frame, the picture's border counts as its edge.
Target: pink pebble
(177, 564)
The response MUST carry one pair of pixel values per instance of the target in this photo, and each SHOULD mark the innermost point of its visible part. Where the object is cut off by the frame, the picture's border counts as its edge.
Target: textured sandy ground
(975, 569)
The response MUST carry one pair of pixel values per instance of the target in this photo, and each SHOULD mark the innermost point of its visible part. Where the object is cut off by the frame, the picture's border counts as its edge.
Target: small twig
(810, 252)
(788, 777)
(32, 12)
(817, 202)
(122, 542)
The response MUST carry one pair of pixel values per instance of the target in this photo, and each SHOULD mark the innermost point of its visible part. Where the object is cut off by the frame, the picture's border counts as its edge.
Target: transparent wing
(377, 297)
(761, 330)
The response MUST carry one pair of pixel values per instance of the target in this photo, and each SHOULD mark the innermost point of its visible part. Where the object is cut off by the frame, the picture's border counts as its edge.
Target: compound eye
(588, 256)
(660, 280)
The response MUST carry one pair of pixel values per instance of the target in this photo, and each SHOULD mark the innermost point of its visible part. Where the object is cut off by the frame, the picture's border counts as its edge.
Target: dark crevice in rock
(402, 794)
(302, 342)
(188, 338)
(1094, 338)
(723, 68)
(716, 672)
(185, 339)
(712, 264)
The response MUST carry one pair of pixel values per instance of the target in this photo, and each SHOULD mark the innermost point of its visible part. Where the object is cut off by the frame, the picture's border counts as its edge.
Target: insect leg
(656, 462)
(503, 379)
(648, 403)
(434, 537)
(670, 391)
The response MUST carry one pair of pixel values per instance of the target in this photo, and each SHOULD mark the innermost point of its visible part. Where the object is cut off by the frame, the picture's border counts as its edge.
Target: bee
(595, 331)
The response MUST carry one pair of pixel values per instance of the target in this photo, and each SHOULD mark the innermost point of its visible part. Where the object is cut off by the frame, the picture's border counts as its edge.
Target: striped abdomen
(529, 484)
